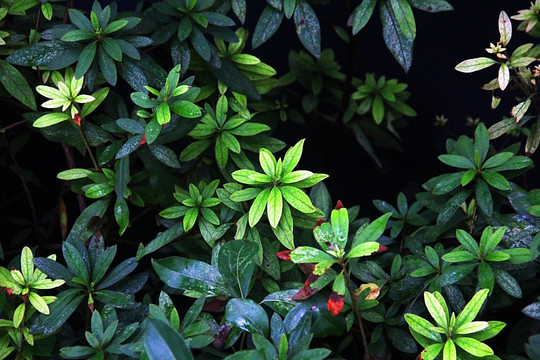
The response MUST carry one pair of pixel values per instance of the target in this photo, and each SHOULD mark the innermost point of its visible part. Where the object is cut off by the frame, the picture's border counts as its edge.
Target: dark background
(443, 40)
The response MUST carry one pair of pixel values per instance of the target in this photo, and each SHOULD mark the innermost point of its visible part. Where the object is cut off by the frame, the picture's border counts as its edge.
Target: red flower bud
(339, 205)
(335, 303)
(77, 119)
(382, 248)
(284, 255)
(318, 223)
(24, 297)
(143, 140)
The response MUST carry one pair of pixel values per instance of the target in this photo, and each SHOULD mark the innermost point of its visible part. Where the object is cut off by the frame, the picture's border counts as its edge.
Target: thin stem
(11, 126)
(71, 165)
(355, 309)
(88, 148)
(25, 187)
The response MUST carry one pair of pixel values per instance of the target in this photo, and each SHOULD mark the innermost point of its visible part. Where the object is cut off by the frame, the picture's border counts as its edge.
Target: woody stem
(355, 310)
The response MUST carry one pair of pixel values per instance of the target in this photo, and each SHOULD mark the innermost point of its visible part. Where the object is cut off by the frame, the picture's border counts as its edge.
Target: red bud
(318, 223)
(284, 255)
(339, 205)
(382, 248)
(24, 297)
(335, 303)
(77, 119)
(143, 140)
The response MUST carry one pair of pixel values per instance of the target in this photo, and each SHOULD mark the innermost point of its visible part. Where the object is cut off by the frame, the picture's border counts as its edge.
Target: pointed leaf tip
(339, 205)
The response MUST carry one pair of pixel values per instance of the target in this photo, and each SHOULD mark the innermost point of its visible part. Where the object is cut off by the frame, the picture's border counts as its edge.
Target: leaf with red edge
(335, 303)
(318, 223)
(306, 291)
(284, 255)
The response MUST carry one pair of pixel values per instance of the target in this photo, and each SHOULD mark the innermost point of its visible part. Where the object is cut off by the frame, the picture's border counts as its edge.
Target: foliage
(166, 123)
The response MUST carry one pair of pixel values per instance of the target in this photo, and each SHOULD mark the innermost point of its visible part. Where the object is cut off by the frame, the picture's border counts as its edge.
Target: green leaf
(402, 340)
(520, 109)
(435, 309)
(75, 261)
(397, 42)
(458, 256)
(15, 83)
(190, 218)
(161, 240)
(247, 315)
(297, 199)
(256, 210)
(274, 206)
(308, 28)
(449, 351)
(472, 65)
(473, 346)
(422, 326)
(496, 180)
(18, 315)
(508, 283)
(78, 35)
(307, 254)
(189, 274)
(38, 303)
(372, 232)
(363, 249)
(483, 197)
(121, 214)
(107, 66)
(267, 25)
(185, 109)
(361, 15)
(79, 20)
(50, 119)
(112, 48)
(456, 161)
(404, 16)
(116, 25)
(162, 342)
(236, 264)
(472, 308)
(431, 5)
(54, 55)
(99, 96)
(453, 274)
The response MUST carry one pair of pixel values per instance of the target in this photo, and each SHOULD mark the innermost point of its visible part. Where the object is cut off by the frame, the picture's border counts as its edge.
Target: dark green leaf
(54, 55)
(162, 342)
(267, 25)
(247, 315)
(308, 28)
(16, 85)
(165, 155)
(361, 15)
(188, 274)
(236, 264)
(397, 42)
